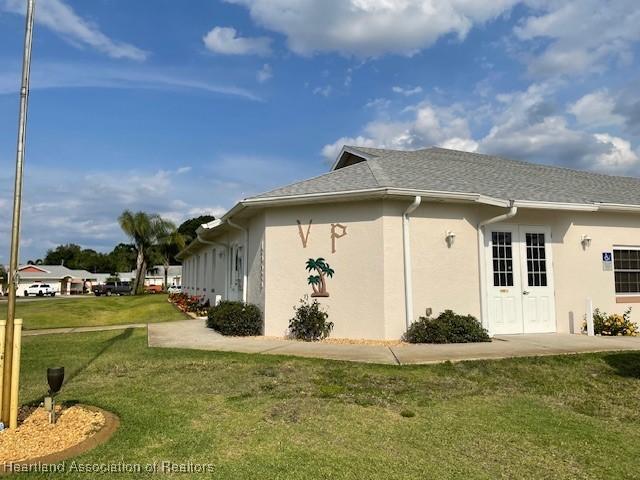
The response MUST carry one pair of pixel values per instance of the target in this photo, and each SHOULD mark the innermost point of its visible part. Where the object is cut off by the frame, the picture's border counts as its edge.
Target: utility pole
(15, 226)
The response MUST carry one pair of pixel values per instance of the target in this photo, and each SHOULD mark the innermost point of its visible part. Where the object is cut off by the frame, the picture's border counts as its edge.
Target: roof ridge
(340, 171)
(377, 171)
(526, 163)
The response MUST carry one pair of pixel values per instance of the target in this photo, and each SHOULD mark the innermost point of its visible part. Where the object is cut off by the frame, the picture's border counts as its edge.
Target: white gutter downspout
(408, 283)
(226, 274)
(245, 267)
(483, 263)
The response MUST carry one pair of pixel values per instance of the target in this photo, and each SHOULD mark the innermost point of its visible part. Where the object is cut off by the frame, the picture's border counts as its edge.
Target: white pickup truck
(40, 290)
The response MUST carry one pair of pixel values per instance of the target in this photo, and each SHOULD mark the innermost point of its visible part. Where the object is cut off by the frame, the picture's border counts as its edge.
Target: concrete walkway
(103, 328)
(193, 334)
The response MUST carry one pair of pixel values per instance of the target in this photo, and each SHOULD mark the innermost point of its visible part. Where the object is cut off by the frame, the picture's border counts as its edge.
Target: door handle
(525, 292)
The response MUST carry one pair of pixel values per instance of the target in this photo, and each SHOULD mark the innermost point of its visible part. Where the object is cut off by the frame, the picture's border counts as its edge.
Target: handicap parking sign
(607, 257)
(607, 261)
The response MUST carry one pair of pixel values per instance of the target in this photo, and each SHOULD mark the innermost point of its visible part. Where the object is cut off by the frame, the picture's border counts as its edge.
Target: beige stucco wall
(256, 270)
(356, 302)
(578, 272)
(367, 292)
(446, 277)
(443, 277)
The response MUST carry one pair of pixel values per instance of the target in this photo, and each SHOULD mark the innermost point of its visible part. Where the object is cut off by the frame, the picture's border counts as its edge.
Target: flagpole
(15, 226)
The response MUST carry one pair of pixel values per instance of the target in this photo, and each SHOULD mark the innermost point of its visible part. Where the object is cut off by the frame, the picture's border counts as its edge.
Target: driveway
(193, 334)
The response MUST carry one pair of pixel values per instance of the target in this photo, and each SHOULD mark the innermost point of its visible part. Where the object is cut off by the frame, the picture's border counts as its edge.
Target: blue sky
(183, 108)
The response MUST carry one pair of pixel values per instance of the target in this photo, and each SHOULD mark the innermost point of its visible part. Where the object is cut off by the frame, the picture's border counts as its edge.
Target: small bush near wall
(235, 318)
(310, 322)
(614, 324)
(448, 327)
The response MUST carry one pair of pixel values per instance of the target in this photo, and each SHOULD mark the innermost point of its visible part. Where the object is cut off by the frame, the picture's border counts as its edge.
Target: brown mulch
(339, 341)
(36, 437)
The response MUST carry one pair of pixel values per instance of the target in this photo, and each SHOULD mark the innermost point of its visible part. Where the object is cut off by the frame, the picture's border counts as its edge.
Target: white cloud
(62, 19)
(63, 75)
(619, 155)
(530, 127)
(83, 208)
(554, 37)
(378, 103)
(226, 41)
(265, 73)
(366, 28)
(323, 91)
(427, 125)
(407, 92)
(331, 151)
(596, 109)
(464, 144)
(522, 125)
(582, 35)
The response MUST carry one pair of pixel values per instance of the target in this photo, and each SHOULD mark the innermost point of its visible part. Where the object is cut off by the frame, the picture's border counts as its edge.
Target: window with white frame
(626, 266)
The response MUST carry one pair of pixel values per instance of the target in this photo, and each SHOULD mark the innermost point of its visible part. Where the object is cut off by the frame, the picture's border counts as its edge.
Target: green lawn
(255, 416)
(85, 312)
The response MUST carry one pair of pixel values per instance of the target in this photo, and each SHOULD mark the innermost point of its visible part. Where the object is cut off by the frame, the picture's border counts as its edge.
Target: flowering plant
(614, 324)
(190, 303)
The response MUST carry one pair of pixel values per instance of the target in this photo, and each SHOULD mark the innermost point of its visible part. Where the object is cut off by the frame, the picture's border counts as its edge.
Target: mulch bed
(339, 341)
(78, 428)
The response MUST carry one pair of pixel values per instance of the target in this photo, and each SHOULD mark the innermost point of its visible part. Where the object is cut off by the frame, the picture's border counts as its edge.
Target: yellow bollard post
(15, 373)
(3, 327)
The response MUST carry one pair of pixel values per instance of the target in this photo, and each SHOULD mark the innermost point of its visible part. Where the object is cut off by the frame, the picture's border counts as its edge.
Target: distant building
(63, 280)
(155, 276)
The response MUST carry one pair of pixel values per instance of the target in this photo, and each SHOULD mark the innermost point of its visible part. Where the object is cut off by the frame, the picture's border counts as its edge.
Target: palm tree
(168, 247)
(145, 230)
(318, 282)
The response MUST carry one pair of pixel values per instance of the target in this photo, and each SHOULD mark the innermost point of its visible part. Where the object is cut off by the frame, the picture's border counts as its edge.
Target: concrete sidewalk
(104, 328)
(193, 334)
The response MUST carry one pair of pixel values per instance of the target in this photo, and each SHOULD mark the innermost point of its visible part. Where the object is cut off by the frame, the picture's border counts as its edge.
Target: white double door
(519, 279)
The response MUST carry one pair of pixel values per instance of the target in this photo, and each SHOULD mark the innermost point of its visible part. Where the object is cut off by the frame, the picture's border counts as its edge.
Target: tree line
(154, 241)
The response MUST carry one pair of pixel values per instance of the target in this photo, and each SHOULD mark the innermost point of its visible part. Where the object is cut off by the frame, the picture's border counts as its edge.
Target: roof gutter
(406, 249)
(483, 263)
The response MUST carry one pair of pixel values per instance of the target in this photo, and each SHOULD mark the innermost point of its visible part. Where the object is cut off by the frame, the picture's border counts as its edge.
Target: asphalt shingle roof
(439, 169)
(54, 272)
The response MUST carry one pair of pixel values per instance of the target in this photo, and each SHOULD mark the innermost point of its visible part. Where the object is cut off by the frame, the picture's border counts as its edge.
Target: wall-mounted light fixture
(450, 238)
(585, 240)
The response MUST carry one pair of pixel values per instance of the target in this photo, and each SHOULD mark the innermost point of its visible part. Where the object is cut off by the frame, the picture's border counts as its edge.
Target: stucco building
(63, 280)
(521, 246)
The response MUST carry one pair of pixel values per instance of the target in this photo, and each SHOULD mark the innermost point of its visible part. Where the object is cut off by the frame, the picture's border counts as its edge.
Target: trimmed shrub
(448, 327)
(235, 319)
(614, 324)
(310, 322)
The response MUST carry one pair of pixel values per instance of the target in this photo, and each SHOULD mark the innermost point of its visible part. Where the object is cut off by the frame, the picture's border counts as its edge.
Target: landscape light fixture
(450, 238)
(55, 377)
(585, 240)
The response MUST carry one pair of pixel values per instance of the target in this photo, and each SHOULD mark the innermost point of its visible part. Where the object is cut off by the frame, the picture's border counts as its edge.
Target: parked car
(40, 290)
(153, 289)
(175, 289)
(112, 288)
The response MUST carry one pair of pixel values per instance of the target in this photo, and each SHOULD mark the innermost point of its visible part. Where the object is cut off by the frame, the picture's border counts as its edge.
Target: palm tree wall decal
(319, 281)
